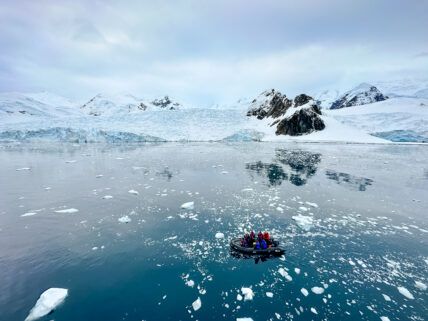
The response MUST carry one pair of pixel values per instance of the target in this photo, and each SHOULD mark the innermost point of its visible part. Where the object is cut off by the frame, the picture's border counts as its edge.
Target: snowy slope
(404, 88)
(326, 98)
(396, 119)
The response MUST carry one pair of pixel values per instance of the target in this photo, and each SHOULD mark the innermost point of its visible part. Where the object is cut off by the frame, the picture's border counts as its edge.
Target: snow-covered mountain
(363, 94)
(326, 98)
(407, 87)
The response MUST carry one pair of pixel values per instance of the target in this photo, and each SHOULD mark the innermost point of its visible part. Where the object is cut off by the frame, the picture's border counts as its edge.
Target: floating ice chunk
(70, 161)
(197, 304)
(351, 262)
(285, 274)
(247, 190)
(239, 297)
(107, 197)
(244, 319)
(384, 318)
(304, 222)
(124, 219)
(269, 294)
(95, 248)
(68, 210)
(28, 214)
(312, 204)
(405, 292)
(317, 290)
(225, 172)
(48, 301)
(420, 285)
(304, 291)
(188, 206)
(280, 209)
(248, 293)
(297, 270)
(314, 311)
(190, 283)
(99, 176)
(23, 169)
(219, 235)
(387, 298)
(132, 191)
(304, 209)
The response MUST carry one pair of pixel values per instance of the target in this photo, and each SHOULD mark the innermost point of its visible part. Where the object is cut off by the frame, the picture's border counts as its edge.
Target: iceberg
(47, 302)
(188, 206)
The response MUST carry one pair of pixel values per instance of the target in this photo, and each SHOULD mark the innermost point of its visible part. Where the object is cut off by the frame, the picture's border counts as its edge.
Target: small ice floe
(304, 291)
(312, 204)
(285, 274)
(225, 172)
(314, 311)
(133, 191)
(23, 169)
(280, 209)
(239, 297)
(244, 319)
(247, 190)
(47, 302)
(107, 197)
(124, 219)
(386, 297)
(420, 285)
(405, 292)
(48, 188)
(197, 304)
(317, 290)
(188, 206)
(28, 214)
(70, 161)
(297, 270)
(384, 318)
(68, 210)
(248, 293)
(99, 176)
(219, 235)
(269, 294)
(351, 262)
(304, 222)
(190, 283)
(95, 248)
(304, 209)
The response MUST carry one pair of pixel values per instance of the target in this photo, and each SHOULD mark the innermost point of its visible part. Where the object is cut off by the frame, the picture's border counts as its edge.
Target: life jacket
(266, 236)
(257, 245)
(264, 245)
(243, 242)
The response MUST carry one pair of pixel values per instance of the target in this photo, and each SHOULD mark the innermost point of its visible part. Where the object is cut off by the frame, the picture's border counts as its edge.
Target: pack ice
(47, 302)
(304, 222)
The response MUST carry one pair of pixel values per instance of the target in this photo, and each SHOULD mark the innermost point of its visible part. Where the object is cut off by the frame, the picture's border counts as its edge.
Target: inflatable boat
(235, 244)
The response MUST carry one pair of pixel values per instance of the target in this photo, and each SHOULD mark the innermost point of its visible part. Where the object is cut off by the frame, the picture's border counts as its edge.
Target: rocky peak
(361, 95)
(165, 103)
(291, 117)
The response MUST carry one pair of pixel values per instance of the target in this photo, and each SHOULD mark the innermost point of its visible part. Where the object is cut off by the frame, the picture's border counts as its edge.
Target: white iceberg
(304, 291)
(405, 292)
(188, 206)
(304, 222)
(68, 210)
(124, 219)
(248, 293)
(197, 304)
(132, 191)
(47, 302)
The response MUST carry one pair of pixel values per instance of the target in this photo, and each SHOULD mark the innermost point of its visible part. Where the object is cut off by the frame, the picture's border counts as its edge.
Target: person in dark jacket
(257, 245)
(264, 244)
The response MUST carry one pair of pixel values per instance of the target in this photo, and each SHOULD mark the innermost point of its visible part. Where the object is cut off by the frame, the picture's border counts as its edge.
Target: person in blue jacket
(257, 245)
(264, 244)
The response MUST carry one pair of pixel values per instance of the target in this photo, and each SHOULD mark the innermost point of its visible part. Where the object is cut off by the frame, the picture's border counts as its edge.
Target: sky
(206, 52)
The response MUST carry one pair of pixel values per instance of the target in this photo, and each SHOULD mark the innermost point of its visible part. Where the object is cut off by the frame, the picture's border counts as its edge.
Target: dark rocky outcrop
(360, 95)
(303, 120)
(165, 103)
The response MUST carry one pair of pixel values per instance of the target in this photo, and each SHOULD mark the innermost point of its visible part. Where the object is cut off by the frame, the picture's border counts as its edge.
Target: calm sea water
(368, 205)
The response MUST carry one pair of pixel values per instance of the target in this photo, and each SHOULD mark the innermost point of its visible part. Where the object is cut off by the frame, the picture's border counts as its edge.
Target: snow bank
(304, 222)
(47, 302)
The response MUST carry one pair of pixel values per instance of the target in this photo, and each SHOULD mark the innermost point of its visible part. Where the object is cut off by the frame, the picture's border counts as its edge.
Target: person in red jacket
(266, 237)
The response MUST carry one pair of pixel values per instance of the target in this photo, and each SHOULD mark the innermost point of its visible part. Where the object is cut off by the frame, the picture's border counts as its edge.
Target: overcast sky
(204, 52)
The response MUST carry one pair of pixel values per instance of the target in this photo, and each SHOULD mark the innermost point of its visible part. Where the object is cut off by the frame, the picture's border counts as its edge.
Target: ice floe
(244, 319)
(29, 214)
(314, 311)
(219, 235)
(107, 197)
(68, 210)
(297, 270)
(188, 206)
(312, 204)
(384, 318)
(47, 302)
(317, 290)
(405, 292)
(285, 274)
(386, 297)
(248, 293)
(197, 304)
(304, 291)
(133, 191)
(304, 222)
(124, 219)
(190, 283)
(23, 169)
(269, 294)
(420, 285)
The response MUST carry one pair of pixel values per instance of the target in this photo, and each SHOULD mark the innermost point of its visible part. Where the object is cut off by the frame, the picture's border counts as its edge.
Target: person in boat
(266, 238)
(263, 244)
(243, 242)
(252, 236)
(257, 246)
(260, 236)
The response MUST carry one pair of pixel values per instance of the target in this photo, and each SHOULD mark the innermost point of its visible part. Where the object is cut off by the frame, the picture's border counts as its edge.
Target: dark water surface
(369, 234)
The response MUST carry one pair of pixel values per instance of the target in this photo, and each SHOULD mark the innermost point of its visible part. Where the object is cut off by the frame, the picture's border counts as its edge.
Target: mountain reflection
(353, 182)
(295, 166)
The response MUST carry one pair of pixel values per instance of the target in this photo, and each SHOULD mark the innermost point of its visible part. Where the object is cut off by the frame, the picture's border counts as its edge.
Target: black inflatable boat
(235, 244)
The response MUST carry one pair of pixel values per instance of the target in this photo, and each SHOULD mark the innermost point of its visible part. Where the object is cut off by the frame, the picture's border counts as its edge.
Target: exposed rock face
(294, 118)
(361, 95)
(165, 103)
